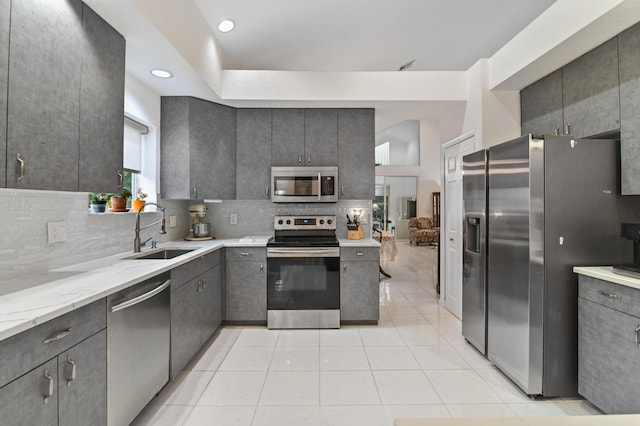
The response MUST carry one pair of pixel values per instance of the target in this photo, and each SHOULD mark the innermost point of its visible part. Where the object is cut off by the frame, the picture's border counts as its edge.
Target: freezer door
(474, 298)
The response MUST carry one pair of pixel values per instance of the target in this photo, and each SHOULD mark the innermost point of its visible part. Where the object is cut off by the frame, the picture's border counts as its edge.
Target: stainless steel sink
(167, 253)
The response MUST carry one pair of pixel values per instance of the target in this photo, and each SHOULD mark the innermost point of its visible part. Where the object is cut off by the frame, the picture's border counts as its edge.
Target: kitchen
(112, 234)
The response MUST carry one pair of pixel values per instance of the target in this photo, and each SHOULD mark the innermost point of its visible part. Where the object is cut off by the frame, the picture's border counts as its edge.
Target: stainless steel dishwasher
(138, 327)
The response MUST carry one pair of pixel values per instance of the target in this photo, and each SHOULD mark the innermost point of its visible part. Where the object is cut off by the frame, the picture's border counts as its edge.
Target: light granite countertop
(606, 273)
(31, 300)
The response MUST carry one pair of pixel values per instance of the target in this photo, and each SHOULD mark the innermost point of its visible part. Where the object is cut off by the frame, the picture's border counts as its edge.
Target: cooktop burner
(304, 231)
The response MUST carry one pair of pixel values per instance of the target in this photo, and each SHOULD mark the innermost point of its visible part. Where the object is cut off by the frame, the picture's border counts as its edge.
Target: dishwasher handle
(141, 298)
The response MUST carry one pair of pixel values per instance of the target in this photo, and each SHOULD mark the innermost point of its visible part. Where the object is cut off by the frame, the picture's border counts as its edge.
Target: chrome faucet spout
(136, 240)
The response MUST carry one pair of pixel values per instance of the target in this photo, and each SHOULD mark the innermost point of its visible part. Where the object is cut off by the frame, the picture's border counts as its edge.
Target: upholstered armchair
(421, 230)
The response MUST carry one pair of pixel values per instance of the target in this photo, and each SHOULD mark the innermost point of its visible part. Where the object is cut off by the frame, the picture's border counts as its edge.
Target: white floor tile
(505, 388)
(348, 387)
(582, 407)
(352, 415)
(274, 415)
(211, 359)
(453, 335)
(257, 337)
(401, 319)
(405, 387)
(291, 388)
(424, 411)
(474, 358)
(295, 359)
(221, 415)
(538, 408)
(380, 336)
(345, 336)
(226, 336)
(247, 359)
(391, 358)
(186, 389)
(299, 338)
(343, 358)
(233, 388)
(480, 410)
(424, 335)
(163, 415)
(461, 387)
(439, 358)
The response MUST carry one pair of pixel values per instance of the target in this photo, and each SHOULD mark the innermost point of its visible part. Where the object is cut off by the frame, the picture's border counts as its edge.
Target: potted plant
(119, 201)
(139, 201)
(98, 202)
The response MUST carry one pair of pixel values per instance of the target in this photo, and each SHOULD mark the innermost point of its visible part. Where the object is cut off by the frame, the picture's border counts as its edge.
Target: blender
(199, 229)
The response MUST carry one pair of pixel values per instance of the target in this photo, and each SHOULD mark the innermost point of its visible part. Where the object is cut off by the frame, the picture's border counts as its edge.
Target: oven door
(303, 287)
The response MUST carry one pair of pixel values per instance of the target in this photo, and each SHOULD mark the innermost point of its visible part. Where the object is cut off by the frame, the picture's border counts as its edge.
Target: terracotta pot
(118, 204)
(137, 205)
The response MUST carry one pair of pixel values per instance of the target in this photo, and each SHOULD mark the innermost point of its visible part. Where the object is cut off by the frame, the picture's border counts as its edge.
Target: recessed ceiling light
(226, 25)
(161, 73)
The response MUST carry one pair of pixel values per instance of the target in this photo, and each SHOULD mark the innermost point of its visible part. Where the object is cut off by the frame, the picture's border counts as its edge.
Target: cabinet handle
(204, 283)
(344, 270)
(308, 159)
(299, 159)
(342, 191)
(359, 253)
(557, 131)
(120, 179)
(60, 334)
(567, 129)
(50, 386)
(261, 269)
(73, 370)
(22, 165)
(195, 192)
(266, 192)
(611, 295)
(637, 338)
(246, 253)
(199, 286)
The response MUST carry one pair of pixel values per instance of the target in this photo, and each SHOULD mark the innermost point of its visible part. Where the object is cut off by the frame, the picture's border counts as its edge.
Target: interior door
(452, 241)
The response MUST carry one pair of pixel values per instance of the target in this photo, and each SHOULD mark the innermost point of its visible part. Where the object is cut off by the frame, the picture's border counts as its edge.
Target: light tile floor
(415, 363)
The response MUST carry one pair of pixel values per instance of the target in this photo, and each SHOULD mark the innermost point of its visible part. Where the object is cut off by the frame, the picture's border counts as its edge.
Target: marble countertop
(606, 273)
(31, 300)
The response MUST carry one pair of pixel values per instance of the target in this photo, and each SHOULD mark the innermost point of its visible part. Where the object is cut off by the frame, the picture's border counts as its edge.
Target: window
(134, 137)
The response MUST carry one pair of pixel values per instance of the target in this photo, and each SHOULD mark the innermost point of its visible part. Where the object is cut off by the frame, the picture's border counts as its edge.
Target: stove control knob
(321, 221)
(288, 221)
(329, 221)
(280, 222)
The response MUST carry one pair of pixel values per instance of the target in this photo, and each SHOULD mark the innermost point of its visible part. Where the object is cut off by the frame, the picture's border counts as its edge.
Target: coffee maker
(199, 230)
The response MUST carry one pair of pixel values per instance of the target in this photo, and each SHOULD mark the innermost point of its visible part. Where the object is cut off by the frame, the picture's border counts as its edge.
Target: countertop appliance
(199, 229)
(304, 184)
(303, 273)
(632, 232)
(474, 253)
(551, 206)
(138, 337)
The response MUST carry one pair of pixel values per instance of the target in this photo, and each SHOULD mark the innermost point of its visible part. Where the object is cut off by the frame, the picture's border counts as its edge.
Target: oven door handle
(303, 252)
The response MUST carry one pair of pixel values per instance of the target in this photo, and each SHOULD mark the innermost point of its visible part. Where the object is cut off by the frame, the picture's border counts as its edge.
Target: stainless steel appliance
(551, 206)
(199, 229)
(474, 244)
(304, 184)
(303, 273)
(138, 330)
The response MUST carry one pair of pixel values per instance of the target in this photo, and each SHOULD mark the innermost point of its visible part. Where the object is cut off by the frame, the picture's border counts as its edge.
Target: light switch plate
(56, 232)
(233, 219)
(172, 221)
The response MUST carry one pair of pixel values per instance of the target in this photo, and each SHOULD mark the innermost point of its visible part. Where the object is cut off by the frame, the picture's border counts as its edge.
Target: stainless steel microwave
(304, 184)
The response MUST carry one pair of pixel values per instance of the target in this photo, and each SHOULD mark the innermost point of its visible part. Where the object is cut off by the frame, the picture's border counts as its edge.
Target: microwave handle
(319, 186)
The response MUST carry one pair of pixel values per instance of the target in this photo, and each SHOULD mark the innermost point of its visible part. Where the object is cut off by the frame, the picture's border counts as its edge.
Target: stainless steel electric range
(303, 280)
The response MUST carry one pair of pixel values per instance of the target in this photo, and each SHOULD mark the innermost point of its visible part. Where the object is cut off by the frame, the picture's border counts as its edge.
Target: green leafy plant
(98, 196)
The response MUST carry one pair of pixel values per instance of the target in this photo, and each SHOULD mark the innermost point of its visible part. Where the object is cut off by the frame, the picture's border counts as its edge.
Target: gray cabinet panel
(185, 325)
(629, 51)
(287, 137)
(211, 303)
(356, 153)
(246, 292)
(359, 292)
(253, 170)
(541, 106)
(45, 62)
(5, 10)
(591, 96)
(101, 105)
(21, 401)
(321, 137)
(83, 400)
(175, 179)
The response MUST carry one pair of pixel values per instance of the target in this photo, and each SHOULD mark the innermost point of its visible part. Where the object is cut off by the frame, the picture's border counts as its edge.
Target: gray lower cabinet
(541, 106)
(356, 153)
(253, 168)
(608, 349)
(287, 141)
(198, 149)
(246, 286)
(629, 60)
(359, 285)
(5, 9)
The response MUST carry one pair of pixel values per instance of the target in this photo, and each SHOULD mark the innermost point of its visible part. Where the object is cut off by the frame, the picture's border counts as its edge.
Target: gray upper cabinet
(101, 105)
(356, 153)
(5, 8)
(629, 51)
(541, 106)
(590, 91)
(253, 169)
(321, 137)
(198, 149)
(287, 137)
(45, 62)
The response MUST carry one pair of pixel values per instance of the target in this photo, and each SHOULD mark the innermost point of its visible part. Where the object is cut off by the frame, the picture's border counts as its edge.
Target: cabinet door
(629, 50)
(287, 144)
(356, 153)
(590, 92)
(321, 137)
(246, 292)
(253, 170)
(82, 398)
(5, 10)
(45, 60)
(359, 292)
(212, 143)
(211, 302)
(175, 181)
(22, 401)
(101, 105)
(608, 358)
(541, 106)
(185, 324)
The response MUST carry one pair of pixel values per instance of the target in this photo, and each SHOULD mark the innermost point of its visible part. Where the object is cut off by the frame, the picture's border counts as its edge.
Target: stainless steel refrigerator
(551, 205)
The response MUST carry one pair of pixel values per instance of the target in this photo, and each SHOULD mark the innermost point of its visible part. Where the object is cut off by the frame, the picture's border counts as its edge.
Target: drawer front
(27, 350)
(616, 296)
(185, 273)
(243, 254)
(365, 254)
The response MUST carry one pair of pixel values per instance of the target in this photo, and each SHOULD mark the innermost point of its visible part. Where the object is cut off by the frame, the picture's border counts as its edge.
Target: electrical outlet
(233, 219)
(172, 221)
(56, 232)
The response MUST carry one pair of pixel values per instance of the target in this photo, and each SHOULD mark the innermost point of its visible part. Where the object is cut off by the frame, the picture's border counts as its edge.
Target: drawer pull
(73, 371)
(637, 331)
(261, 269)
(359, 253)
(245, 253)
(344, 270)
(610, 295)
(50, 386)
(61, 334)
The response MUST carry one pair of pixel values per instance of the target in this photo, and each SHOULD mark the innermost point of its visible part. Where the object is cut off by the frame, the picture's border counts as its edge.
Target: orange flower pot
(137, 205)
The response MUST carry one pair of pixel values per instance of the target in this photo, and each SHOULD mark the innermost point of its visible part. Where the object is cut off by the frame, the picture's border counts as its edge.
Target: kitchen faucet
(136, 240)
